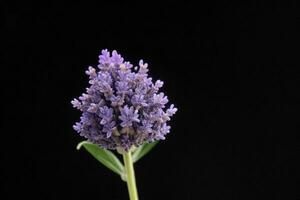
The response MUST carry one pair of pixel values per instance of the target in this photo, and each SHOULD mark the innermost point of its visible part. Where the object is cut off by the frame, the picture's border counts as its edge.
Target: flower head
(122, 107)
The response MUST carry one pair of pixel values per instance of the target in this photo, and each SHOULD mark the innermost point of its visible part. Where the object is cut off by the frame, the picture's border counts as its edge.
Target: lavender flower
(122, 107)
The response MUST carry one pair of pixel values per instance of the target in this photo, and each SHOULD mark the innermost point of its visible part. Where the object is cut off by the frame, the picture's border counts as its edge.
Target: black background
(231, 69)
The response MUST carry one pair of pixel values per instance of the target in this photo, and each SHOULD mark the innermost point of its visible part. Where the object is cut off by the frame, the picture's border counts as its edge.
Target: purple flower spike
(104, 58)
(116, 58)
(122, 107)
(128, 115)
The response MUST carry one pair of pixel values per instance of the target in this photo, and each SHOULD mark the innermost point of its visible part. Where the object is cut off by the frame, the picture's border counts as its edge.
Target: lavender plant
(122, 110)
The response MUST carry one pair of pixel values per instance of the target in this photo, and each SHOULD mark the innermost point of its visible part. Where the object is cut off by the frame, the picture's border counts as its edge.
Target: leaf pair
(110, 160)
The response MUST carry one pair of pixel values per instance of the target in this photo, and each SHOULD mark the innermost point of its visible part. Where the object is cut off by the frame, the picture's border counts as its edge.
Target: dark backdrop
(231, 69)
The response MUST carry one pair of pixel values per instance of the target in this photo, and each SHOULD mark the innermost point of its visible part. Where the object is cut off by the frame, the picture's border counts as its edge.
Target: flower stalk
(124, 110)
(129, 169)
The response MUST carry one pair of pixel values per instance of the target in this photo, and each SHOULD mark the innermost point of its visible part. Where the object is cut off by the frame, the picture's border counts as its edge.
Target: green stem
(130, 176)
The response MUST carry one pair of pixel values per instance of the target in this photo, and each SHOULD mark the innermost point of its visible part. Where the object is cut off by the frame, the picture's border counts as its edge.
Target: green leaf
(106, 157)
(142, 150)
